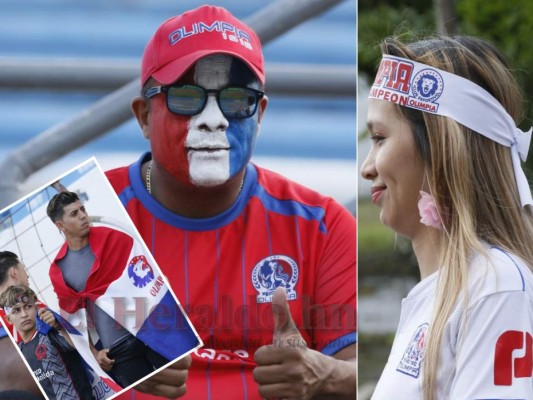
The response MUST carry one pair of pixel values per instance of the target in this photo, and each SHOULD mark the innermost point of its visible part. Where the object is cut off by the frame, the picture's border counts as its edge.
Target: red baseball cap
(182, 40)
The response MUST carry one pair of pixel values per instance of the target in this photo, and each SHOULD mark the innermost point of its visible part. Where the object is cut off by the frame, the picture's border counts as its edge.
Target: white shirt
(488, 358)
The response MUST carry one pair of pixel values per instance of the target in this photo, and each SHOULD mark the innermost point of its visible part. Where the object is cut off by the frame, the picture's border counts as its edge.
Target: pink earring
(428, 211)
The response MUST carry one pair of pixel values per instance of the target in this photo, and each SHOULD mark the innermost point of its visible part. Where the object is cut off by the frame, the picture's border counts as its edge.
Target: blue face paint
(219, 148)
(242, 135)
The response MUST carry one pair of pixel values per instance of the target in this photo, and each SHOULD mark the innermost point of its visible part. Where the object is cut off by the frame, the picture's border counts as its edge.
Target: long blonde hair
(470, 176)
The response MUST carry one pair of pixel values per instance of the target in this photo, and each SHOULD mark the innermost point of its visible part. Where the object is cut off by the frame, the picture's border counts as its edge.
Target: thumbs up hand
(287, 369)
(286, 334)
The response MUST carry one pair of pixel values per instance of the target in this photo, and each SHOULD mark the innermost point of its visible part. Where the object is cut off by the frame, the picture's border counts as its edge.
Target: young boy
(55, 362)
(13, 273)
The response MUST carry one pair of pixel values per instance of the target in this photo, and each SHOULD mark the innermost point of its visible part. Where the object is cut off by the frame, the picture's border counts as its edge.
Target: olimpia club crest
(140, 271)
(427, 85)
(273, 272)
(414, 353)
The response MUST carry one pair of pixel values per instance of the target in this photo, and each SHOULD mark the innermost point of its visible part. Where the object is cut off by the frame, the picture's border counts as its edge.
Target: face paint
(167, 139)
(242, 135)
(206, 149)
(207, 144)
(218, 148)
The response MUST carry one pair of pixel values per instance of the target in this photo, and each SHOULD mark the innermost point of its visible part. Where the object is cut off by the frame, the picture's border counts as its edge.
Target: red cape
(111, 249)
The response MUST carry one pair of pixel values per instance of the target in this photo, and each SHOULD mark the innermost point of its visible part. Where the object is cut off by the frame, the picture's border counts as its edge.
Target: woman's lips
(376, 193)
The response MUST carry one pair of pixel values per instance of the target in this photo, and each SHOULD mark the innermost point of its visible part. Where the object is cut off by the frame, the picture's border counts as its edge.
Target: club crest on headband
(427, 85)
(21, 298)
(397, 82)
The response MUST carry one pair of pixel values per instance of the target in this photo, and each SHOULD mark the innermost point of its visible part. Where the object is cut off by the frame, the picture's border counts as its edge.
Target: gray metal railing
(114, 109)
(106, 75)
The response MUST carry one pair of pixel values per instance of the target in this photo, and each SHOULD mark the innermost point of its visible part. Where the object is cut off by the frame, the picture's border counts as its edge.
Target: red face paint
(167, 139)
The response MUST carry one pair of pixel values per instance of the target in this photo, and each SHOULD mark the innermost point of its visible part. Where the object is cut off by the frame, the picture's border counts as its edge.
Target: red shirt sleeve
(334, 315)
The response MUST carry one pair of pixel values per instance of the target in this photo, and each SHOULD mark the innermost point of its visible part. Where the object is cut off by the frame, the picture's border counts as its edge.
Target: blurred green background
(387, 267)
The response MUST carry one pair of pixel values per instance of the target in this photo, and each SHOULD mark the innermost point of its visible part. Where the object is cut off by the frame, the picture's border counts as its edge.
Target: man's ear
(262, 106)
(59, 225)
(13, 273)
(141, 109)
(8, 319)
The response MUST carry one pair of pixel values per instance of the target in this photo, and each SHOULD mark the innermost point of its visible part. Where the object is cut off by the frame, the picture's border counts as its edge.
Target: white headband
(419, 86)
(19, 299)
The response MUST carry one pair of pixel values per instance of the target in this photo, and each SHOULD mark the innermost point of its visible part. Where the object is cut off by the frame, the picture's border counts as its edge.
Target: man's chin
(209, 173)
(208, 181)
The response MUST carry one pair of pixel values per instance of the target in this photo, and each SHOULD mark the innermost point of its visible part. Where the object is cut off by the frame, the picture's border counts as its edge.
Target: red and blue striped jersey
(224, 270)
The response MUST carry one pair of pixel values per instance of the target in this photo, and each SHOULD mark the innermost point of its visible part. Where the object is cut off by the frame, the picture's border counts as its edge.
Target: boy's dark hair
(17, 294)
(58, 203)
(7, 260)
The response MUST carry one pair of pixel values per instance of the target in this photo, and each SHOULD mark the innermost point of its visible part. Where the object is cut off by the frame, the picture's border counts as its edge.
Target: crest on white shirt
(414, 353)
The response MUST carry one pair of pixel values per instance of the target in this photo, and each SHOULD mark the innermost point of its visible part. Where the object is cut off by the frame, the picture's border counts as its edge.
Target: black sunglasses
(234, 102)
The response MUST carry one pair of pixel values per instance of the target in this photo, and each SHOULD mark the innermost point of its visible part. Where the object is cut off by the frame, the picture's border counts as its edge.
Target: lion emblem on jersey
(273, 272)
(140, 271)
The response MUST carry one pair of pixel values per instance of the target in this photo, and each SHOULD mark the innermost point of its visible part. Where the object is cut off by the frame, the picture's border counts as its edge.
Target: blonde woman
(446, 173)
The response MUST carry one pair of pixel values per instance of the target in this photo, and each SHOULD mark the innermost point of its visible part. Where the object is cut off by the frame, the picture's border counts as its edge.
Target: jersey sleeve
(494, 349)
(334, 316)
(118, 178)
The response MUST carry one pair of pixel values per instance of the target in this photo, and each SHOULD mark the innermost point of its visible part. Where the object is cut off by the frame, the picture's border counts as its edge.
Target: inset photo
(83, 299)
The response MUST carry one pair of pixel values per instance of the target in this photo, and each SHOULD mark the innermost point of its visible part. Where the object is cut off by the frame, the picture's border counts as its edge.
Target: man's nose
(211, 118)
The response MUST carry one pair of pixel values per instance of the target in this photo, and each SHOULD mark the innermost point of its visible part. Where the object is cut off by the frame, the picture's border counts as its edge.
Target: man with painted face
(264, 267)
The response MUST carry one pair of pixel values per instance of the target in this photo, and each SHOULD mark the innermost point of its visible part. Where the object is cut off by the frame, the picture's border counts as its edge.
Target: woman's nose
(368, 170)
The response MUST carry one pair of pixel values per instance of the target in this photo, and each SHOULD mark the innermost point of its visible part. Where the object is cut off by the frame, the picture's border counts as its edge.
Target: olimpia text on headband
(422, 87)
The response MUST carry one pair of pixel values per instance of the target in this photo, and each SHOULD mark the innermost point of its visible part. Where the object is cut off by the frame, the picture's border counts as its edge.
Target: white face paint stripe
(207, 130)
(213, 72)
(425, 88)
